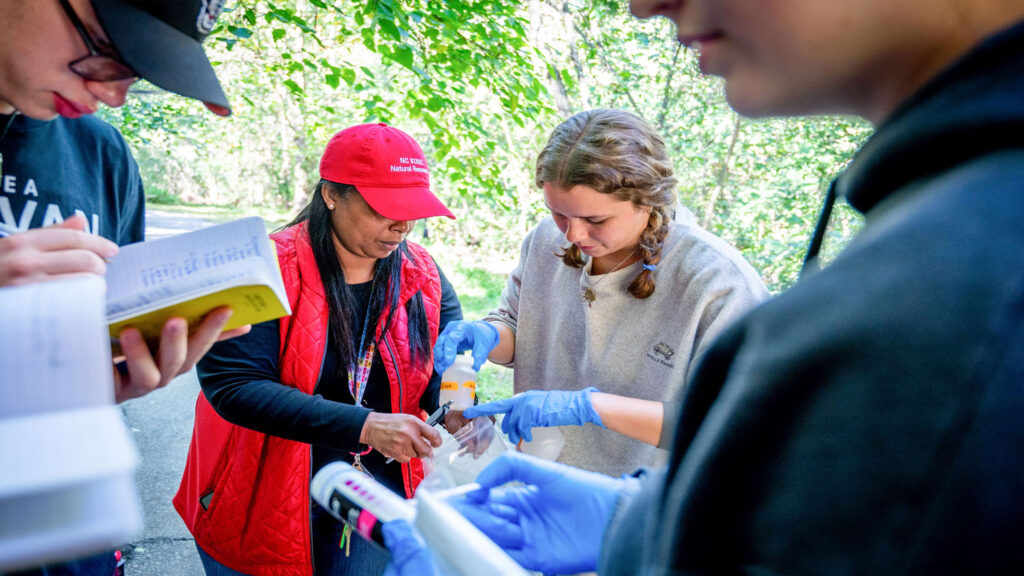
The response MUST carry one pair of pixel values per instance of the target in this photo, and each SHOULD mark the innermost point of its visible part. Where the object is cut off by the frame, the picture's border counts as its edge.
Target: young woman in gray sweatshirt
(613, 299)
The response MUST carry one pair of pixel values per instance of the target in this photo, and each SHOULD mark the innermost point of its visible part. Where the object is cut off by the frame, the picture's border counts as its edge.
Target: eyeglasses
(102, 64)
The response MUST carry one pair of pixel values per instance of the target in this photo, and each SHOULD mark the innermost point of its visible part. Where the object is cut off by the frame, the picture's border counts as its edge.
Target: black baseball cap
(162, 41)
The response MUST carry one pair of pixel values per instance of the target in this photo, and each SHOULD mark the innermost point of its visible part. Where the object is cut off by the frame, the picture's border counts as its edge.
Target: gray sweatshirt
(620, 344)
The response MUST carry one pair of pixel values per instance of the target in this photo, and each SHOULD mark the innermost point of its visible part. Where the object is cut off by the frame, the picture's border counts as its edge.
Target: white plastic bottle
(458, 383)
(547, 443)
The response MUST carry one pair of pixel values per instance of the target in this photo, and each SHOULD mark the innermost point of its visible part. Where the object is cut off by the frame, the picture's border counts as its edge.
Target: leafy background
(480, 84)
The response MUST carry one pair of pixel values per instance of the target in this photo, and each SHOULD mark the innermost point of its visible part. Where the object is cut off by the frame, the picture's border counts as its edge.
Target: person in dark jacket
(347, 376)
(868, 420)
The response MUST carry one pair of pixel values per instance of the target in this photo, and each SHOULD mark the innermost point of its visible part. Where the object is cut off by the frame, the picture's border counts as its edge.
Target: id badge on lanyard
(359, 375)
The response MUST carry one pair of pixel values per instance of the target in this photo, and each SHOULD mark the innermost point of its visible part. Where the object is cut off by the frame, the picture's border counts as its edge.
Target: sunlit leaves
(293, 87)
(480, 84)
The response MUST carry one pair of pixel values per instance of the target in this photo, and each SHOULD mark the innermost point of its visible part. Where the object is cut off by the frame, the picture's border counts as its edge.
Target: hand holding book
(55, 252)
(177, 296)
(141, 371)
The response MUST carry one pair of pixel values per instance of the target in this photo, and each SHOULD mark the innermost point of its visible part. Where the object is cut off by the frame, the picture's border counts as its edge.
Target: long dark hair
(340, 303)
(614, 152)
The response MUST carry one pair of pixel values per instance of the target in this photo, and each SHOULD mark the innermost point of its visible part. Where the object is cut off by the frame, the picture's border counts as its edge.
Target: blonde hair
(614, 152)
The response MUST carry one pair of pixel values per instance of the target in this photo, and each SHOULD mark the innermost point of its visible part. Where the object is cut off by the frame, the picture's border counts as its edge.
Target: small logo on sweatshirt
(664, 350)
(662, 354)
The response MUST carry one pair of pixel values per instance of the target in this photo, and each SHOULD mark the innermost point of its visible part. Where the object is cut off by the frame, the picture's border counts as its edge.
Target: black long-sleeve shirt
(241, 379)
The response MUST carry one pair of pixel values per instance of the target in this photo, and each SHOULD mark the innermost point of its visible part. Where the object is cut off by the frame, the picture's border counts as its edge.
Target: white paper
(75, 521)
(56, 349)
(47, 451)
(66, 458)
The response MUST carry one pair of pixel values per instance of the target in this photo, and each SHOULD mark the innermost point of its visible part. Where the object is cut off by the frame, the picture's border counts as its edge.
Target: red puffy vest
(244, 494)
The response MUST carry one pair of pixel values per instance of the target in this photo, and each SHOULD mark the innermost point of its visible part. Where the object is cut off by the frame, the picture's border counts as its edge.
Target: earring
(330, 206)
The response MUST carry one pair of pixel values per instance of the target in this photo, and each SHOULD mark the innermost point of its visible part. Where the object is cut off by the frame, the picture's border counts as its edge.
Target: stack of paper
(67, 462)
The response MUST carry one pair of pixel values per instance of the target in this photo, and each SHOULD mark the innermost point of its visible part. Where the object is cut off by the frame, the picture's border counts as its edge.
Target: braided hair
(615, 152)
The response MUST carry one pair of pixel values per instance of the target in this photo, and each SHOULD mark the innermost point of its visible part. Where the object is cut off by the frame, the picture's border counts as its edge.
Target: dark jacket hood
(971, 108)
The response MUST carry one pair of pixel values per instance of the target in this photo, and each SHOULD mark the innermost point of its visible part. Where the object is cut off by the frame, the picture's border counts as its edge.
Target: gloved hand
(535, 408)
(409, 553)
(553, 524)
(460, 336)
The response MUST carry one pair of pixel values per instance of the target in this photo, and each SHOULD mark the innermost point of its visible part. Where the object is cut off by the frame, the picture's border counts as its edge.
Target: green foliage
(479, 291)
(480, 84)
(158, 197)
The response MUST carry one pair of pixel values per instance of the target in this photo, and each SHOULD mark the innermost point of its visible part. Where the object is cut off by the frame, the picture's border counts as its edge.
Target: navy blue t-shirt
(50, 170)
(53, 169)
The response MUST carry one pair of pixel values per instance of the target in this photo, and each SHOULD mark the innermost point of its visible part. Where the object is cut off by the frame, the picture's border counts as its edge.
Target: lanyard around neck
(359, 374)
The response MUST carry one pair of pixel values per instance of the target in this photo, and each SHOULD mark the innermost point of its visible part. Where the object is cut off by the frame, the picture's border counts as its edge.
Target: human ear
(330, 198)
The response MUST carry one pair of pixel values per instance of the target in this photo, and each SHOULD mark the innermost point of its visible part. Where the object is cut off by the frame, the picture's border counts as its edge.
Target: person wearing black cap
(70, 191)
(59, 59)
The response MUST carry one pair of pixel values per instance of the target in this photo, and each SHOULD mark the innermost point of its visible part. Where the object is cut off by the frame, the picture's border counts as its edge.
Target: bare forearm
(505, 351)
(633, 417)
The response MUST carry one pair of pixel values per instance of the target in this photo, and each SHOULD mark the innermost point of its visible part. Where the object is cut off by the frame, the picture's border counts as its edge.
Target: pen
(431, 420)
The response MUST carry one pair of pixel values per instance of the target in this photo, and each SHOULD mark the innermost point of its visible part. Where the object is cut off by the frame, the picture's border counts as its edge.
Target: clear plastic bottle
(458, 383)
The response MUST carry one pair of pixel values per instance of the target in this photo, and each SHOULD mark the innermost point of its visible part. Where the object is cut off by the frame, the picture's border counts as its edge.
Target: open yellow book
(188, 275)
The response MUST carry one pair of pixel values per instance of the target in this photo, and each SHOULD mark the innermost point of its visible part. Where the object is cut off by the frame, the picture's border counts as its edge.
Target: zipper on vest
(398, 373)
(309, 513)
(406, 468)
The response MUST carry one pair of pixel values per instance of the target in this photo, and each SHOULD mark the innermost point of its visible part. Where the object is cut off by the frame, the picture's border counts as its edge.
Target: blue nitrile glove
(535, 408)
(409, 553)
(460, 336)
(555, 523)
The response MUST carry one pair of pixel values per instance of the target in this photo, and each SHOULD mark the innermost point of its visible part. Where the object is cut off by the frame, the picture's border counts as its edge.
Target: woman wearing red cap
(346, 377)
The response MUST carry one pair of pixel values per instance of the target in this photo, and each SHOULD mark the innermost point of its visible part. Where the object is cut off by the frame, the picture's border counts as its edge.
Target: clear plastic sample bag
(464, 454)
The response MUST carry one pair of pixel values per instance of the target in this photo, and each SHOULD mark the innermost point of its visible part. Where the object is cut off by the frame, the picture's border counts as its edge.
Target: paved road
(160, 223)
(161, 424)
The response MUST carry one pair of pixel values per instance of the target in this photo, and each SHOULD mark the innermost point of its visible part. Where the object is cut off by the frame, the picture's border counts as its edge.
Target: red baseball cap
(388, 169)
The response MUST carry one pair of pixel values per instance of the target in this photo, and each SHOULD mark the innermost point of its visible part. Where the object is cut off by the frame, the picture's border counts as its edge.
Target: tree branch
(723, 174)
(668, 87)
(598, 48)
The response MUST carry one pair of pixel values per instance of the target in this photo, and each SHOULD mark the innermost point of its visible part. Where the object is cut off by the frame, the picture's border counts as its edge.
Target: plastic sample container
(458, 383)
